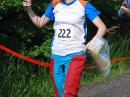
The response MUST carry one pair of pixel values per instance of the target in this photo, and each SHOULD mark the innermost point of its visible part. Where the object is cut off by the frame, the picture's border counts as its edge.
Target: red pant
(72, 77)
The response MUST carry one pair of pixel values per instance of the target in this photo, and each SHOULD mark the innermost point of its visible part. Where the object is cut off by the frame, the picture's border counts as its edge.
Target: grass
(18, 80)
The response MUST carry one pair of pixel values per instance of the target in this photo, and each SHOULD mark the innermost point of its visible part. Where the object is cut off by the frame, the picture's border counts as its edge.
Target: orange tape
(119, 59)
(34, 61)
(90, 67)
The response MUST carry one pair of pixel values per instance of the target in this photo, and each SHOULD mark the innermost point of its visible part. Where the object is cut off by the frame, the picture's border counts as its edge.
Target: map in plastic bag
(100, 54)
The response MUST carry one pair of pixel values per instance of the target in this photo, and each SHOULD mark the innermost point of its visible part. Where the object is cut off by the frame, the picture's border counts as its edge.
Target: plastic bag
(100, 54)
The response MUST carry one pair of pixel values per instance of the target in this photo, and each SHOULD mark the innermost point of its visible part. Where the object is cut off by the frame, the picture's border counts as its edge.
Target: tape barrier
(34, 61)
(43, 64)
(113, 60)
(119, 59)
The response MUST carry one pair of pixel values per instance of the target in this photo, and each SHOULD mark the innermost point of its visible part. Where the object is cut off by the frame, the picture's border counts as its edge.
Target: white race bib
(64, 32)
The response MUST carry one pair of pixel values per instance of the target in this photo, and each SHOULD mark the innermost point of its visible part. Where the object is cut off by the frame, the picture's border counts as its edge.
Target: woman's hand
(89, 46)
(96, 44)
(27, 3)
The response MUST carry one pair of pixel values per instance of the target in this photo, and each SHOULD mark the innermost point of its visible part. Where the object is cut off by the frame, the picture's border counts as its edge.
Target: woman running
(68, 44)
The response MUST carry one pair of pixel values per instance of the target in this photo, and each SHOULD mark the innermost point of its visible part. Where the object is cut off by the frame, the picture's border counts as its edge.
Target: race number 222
(64, 33)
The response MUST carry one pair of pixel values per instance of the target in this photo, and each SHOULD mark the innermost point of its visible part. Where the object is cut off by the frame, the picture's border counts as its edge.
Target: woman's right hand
(27, 3)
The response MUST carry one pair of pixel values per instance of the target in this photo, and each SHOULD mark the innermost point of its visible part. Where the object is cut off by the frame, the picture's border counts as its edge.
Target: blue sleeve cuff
(91, 12)
(49, 12)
